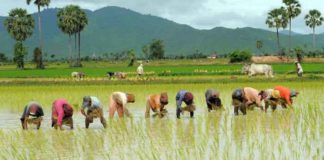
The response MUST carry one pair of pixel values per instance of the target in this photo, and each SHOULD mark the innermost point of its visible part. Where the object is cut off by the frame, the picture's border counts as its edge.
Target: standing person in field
(245, 98)
(94, 110)
(118, 101)
(62, 113)
(140, 70)
(187, 98)
(286, 96)
(271, 98)
(33, 114)
(156, 103)
(212, 99)
(299, 69)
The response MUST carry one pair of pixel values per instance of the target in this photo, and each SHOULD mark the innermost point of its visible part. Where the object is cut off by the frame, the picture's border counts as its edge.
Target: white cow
(77, 75)
(255, 69)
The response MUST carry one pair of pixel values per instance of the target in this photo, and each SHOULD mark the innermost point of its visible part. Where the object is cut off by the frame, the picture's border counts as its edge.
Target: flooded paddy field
(283, 134)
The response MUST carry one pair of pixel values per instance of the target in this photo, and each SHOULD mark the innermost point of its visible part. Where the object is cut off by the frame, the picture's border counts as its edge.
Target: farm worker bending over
(253, 96)
(33, 113)
(271, 98)
(62, 113)
(286, 95)
(187, 98)
(212, 99)
(118, 101)
(243, 98)
(94, 110)
(156, 102)
(238, 101)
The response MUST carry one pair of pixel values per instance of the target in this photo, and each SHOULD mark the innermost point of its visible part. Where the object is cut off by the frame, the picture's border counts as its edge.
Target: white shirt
(95, 103)
(120, 96)
(140, 69)
(299, 67)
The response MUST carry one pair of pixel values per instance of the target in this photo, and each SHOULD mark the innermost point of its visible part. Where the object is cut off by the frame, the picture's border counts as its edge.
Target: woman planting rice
(94, 110)
(187, 98)
(156, 103)
(246, 97)
(62, 113)
(212, 99)
(33, 114)
(118, 101)
(286, 96)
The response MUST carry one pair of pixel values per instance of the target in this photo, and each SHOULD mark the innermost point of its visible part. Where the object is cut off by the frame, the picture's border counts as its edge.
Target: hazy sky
(201, 14)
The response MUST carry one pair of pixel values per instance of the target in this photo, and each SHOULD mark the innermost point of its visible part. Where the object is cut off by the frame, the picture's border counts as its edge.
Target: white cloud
(202, 14)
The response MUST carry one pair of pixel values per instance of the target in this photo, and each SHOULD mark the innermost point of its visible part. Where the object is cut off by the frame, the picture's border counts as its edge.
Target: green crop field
(158, 68)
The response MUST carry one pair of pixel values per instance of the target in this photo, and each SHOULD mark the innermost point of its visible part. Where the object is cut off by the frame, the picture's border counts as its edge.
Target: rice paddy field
(284, 134)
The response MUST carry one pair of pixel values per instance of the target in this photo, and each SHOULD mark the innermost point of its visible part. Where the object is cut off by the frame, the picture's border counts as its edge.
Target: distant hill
(286, 32)
(114, 29)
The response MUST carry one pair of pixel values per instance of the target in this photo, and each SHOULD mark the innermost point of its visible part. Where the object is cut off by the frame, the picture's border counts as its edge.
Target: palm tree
(40, 3)
(82, 22)
(67, 22)
(72, 20)
(20, 26)
(259, 45)
(145, 50)
(314, 19)
(277, 18)
(293, 10)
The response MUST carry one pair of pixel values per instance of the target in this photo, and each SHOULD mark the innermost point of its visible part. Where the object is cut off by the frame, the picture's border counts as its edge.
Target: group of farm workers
(242, 99)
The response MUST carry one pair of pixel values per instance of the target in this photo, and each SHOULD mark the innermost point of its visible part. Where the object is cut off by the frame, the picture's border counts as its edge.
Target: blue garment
(180, 97)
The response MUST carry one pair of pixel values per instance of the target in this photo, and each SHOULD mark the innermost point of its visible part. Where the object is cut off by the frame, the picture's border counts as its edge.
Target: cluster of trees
(240, 56)
(282, 17)
(123, 55)
(154, 50)
(20, 25)
(3, 58)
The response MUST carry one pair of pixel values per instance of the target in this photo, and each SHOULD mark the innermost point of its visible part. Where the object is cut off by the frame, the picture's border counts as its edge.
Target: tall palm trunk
(79, 51)
(40, 63)
(314, 41)
(278, 42)
(70, 50)
(75, 51)
(289, 36)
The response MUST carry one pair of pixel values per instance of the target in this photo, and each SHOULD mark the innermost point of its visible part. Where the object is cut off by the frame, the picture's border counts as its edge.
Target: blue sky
(200, 14)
